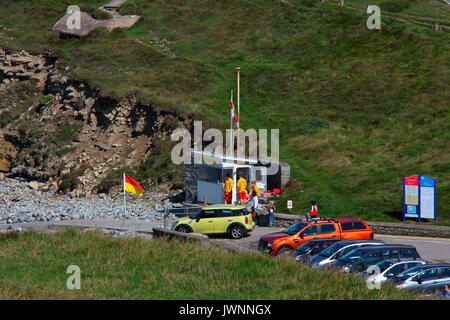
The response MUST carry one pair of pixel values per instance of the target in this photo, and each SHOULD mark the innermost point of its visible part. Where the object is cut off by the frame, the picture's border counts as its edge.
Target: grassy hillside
(357, 109)
(33, 266)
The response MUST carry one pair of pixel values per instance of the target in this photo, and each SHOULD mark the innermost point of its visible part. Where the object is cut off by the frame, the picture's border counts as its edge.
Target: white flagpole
(124, 203)
(238, 70)
(124, 196)
(231, 127)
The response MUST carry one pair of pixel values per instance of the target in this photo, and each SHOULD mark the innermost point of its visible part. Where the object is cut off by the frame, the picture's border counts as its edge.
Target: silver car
(422, 276)
(380, 272)
(337, 250)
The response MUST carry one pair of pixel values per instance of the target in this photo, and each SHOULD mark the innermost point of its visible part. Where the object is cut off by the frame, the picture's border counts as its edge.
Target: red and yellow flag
(131, 185)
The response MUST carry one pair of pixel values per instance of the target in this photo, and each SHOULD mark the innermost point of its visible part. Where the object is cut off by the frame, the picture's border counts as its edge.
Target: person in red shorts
(242, 189)
(228, 189)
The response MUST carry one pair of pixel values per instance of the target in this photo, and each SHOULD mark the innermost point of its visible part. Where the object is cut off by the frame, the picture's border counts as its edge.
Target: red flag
(131, 185)
(233, 113)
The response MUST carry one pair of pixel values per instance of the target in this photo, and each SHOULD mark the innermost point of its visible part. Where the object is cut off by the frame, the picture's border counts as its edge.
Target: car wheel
(237, 232)
(183, 229)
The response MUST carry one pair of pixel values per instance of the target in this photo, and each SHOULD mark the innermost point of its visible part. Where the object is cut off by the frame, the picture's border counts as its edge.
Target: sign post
(419, 198)
(289, 204)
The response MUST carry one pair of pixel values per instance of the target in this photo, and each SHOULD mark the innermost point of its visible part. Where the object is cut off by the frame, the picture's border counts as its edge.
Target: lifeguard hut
(204, 181)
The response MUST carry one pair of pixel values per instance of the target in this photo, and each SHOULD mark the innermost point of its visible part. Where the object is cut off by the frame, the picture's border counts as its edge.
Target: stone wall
(200, 238)
(191, 174)
(286, 220)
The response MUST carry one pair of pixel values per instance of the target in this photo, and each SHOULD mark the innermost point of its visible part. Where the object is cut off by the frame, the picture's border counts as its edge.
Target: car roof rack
(338, 219)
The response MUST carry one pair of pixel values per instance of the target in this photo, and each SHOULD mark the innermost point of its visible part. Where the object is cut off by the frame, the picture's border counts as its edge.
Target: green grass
(64, 135)
(33, 266)
(357, 109)
(15, 101)
(424, 8)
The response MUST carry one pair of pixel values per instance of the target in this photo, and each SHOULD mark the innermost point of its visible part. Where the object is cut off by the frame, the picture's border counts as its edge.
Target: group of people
(244, 196)
(252, 197)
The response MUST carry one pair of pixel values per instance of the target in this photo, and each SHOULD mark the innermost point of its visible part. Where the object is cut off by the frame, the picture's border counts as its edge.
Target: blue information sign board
(419, 198)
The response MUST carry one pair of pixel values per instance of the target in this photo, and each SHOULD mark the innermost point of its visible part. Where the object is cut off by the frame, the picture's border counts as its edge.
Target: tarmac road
(435, 250)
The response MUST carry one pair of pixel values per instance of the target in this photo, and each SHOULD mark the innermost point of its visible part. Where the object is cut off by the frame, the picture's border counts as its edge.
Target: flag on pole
(233, 113)
(131, 185)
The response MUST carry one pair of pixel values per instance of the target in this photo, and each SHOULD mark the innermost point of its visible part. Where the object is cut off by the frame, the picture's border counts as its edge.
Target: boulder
(101, 146)
(7, 154)
(33, 185)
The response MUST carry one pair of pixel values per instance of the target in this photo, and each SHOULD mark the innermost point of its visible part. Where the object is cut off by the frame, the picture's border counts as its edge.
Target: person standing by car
(254, 203)
(228, 189)
(272, 210)
(445, 292)
(242, 189)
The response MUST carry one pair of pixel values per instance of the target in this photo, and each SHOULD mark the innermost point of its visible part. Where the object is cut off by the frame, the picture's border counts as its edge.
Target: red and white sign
(412, 181)
(289, 204)
(412, 190)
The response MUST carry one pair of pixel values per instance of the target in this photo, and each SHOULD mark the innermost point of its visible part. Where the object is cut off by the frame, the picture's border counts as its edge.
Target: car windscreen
(195, 216)
(328, 252)
(306, 247)
(295, 228)
(352, 256)
(410, 272)
(383, 265)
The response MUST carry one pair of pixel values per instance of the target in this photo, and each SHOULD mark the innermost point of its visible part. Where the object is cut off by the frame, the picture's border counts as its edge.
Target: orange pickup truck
(295, 235)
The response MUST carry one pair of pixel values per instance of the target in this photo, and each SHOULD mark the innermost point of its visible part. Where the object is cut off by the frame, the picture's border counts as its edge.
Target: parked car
(359, 259)
(337, 250)
(405, 275)
(297, 234)
(390, 268)
(433, 289)
(234, 221)
(422, 276)
(312, 247)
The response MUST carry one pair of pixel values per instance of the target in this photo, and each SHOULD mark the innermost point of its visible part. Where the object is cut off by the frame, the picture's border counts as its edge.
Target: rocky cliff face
(54, 127)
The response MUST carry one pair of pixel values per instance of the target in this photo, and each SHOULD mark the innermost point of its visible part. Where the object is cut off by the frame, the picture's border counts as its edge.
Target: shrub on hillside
(310, 125)
(395, 5)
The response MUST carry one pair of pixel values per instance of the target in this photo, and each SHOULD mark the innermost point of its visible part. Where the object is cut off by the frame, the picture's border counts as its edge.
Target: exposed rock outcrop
(72, 137)
(7, 154)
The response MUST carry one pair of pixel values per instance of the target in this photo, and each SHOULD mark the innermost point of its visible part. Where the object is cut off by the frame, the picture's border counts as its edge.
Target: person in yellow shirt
(228, 189)
(242, 189)
(255, 188)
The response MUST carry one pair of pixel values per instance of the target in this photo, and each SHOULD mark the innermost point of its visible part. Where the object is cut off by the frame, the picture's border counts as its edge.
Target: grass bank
(33, 266)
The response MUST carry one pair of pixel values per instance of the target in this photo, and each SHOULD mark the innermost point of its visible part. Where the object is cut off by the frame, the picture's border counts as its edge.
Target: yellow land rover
(235, 221)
